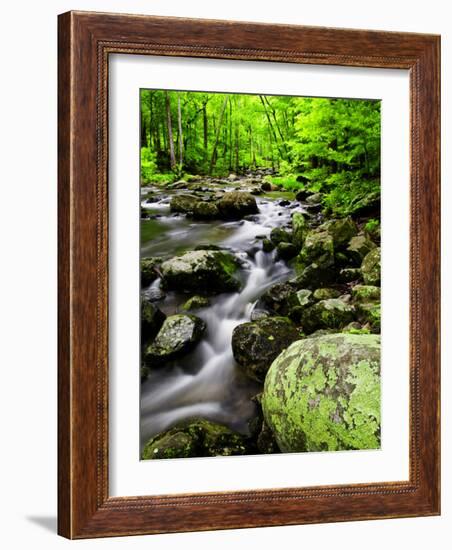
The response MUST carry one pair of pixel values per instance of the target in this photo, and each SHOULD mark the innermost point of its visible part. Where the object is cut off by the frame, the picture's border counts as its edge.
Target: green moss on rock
(323, 394)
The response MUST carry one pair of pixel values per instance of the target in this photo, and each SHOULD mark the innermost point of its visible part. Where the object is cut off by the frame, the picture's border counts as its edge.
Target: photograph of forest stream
(260, 274)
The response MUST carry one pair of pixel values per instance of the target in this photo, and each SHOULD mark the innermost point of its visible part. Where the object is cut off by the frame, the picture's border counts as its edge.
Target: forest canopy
(317, 144)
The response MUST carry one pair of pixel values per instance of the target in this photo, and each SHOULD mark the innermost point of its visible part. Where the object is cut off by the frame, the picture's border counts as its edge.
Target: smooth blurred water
(207, 382)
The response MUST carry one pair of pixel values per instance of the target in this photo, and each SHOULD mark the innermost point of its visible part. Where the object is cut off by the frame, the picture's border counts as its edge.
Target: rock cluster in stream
(312, 341)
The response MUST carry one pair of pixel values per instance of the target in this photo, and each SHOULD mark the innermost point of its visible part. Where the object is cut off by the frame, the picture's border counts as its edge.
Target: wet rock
(266, 441)
(210, 271)
(371, 268)
(267, 245)
(326, 293)
(366, 206)
(302, 195)
(183, 203)
(314, 275)
(257, 314)
(276, 298)
(284, 202)
(148, 270)
(370, 314)
(195, 438)
(286, 251)
(327, 314)
(205, 211)
(298, 302)
(237, 204)
(256, 344)
(366, 293)
(341, 230)
(323, 394)
(196, 302)
(299, 229)
(350, 274)
(178, 335)
(152, 320)
(358, 248)
(154, 294)
(315, 198)
(318, 248)
(233, 177)
(280, 235)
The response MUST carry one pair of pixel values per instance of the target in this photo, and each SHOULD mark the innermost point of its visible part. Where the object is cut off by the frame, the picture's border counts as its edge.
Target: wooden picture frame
(86, 40)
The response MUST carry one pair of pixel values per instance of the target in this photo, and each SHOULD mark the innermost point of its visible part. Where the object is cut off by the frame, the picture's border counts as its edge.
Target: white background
(28, 271)
(128, 475)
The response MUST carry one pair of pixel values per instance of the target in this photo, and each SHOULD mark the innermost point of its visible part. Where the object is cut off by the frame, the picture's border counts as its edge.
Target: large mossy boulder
(318, 248)
(178, 335)
(237, 204)
(183, 203)
(256, 344)
(204, 210)
(210, 271)
(341, 230)
(152, 319)
(333, 313)
(371, 267)
(323, 394)
(313, 276)
(195, 438)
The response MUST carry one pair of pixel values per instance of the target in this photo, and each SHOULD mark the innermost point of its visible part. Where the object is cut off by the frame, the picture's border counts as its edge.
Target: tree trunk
(170, 131)
(181, 137)
(205, 131)
(217, 136)
(271, 127)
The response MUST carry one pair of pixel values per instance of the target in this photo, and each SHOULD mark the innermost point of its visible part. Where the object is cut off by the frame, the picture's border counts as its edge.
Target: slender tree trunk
(205, 131)
(237, 136)
(230, 135)
(170, 132)
(271, 127)
(181, 137)
(217, 136)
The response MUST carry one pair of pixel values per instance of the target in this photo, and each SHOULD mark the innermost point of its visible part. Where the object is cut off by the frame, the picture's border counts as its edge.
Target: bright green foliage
(327, 145)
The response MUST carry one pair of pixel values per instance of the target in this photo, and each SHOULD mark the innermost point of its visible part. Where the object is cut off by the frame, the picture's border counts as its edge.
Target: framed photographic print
(248, 275)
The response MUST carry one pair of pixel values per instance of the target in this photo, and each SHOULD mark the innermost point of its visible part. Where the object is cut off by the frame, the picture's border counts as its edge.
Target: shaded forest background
(316, 144)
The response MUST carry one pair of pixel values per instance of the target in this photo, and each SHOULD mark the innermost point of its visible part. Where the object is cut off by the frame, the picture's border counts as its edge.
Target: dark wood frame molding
(84, 44)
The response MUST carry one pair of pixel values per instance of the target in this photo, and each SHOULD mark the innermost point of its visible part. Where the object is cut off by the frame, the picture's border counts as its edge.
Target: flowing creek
(207, 382)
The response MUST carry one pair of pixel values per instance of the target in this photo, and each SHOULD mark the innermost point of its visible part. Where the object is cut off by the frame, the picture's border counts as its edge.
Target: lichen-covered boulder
(196, 302)
(371, 267)
(326, 293)
(201, 271)
(178, 335)
(358, 248)
(299, 229)
(327, 314)
(151, 319)
(204, 210)
(195, 438)
(317, 248)
(366, 293)
(148, 270)
(183, 203)
(341, 230)
(323, 394)
(237, 204)
(256, 344)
